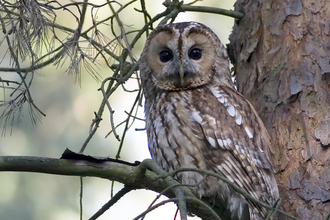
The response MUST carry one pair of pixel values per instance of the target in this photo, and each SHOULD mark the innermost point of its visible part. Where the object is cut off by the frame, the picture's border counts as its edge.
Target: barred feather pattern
(209, 126)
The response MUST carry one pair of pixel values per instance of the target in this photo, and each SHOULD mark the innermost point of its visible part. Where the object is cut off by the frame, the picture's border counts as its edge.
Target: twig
(213, 10)
(154, 207)
(105, 98)
(112, 201)
(233, 185)
(176, 190)
(81, 198)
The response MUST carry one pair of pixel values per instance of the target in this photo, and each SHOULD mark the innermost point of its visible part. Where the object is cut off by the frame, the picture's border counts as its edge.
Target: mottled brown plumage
(195, 118)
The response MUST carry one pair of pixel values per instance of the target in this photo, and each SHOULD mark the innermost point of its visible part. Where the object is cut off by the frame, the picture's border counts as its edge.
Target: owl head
(181, 56)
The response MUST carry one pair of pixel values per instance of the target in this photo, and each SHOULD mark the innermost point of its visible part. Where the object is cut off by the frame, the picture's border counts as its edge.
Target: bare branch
(112, 201)
(213, 10)
(136, 176)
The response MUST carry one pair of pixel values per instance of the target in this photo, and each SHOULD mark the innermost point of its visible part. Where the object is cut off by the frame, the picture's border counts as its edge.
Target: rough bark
(281, 53)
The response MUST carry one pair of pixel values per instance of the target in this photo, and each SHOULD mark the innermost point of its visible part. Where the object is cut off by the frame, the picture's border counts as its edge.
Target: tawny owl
(196, 119)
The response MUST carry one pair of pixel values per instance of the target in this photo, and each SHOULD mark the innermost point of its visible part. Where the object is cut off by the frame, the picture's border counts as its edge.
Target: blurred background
(70, 107)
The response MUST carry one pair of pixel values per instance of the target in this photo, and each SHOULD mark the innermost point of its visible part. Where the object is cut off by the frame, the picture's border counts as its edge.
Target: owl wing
(238, 143)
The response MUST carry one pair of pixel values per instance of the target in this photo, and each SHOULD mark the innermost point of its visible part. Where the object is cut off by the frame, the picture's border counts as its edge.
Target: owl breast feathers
(196, 119)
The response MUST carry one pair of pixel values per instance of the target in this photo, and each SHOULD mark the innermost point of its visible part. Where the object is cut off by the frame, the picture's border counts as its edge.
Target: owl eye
(195, 54)
(165, 56)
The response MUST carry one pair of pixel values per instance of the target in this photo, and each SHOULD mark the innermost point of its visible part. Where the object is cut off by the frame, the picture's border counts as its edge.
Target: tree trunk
(281, 53)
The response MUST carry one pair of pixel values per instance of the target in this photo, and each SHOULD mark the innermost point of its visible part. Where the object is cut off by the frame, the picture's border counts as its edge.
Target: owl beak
(181, 74)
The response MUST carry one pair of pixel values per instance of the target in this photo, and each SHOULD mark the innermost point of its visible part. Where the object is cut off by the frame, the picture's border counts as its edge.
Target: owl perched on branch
(196, 119)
